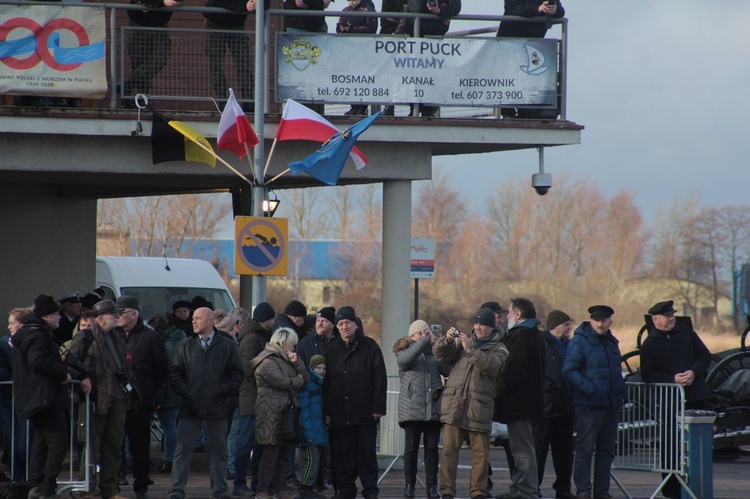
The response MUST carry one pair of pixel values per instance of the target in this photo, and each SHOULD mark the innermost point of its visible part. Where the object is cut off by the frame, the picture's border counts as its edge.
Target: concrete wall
(48, 244)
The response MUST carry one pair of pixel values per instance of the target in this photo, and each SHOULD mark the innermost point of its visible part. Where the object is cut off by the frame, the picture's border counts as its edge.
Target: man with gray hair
(206, 371)
(520, 390)
(148, 359)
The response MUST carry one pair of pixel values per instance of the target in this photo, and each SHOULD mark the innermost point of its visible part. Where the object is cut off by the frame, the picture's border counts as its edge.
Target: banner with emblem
(52, 51)
(393, 69)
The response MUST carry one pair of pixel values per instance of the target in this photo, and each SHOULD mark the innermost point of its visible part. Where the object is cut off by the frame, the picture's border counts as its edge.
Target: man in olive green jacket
(476, 359)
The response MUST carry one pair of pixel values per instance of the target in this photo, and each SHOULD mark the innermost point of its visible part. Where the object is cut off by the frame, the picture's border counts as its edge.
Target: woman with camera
(418, 400)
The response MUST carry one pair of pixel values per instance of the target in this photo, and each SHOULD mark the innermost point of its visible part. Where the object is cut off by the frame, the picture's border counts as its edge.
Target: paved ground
(731, 481)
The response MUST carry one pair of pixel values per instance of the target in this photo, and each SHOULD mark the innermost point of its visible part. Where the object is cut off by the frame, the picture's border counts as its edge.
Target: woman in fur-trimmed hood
(418, 403)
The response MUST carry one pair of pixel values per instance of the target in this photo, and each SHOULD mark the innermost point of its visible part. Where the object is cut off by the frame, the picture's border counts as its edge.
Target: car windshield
(159, 300)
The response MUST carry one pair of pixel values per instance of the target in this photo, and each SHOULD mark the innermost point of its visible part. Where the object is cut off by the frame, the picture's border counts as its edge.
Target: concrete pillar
(396, 266)
(49, 244)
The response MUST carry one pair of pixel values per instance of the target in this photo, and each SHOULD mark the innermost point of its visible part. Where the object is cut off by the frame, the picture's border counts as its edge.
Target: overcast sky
(663, 89)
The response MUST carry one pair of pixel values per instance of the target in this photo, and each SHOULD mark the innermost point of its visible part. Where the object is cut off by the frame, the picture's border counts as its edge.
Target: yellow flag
(194, 152)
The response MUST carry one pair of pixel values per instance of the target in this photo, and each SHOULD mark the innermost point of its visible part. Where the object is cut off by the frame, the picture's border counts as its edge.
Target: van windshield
(159, 300)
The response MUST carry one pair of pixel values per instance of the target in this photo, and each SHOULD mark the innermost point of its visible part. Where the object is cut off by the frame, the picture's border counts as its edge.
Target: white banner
(53, 51)
(394, 69)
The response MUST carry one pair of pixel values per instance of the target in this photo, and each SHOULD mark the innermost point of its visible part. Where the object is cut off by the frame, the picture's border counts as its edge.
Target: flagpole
(277, 176)
(210, 151)
(250, 160)
(268, 161)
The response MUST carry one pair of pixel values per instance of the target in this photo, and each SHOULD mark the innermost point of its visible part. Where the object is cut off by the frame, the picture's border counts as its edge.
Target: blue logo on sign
(535, 64)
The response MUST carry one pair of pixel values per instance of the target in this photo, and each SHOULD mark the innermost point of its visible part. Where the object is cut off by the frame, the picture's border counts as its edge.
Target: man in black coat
(148, 360)
(41, 395)
(555, 429)
(325, 333)
(674, 353)
(293, 318)
(520, 389)
(206, 371)
(354, 400)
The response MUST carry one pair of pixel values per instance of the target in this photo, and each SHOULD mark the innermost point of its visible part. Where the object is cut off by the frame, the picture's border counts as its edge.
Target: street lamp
(270, 205)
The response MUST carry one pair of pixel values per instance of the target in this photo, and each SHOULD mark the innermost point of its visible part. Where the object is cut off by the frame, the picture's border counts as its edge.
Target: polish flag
(302, 123)
(234, 129)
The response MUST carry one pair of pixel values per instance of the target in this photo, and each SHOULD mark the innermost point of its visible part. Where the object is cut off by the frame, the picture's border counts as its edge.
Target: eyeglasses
(123, 312)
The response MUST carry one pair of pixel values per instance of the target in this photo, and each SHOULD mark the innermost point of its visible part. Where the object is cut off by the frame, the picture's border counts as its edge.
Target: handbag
(291, 429)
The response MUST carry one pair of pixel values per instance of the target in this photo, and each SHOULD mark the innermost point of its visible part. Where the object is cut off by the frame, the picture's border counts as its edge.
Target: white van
(158, 282)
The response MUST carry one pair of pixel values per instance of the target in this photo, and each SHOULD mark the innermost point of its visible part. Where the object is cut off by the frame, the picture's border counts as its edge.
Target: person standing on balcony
(549, 9)
(435, 25)
(357, 25)
(220, 38)
(149, 49)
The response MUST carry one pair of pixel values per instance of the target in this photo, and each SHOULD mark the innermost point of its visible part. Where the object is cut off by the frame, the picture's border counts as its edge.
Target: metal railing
(70, 478)
(651, 433)
(184, 76)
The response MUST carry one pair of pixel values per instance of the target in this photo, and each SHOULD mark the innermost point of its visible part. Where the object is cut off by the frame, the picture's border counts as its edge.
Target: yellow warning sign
(260, 246)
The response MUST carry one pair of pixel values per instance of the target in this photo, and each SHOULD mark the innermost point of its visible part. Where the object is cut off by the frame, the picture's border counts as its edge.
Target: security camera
(541, 182)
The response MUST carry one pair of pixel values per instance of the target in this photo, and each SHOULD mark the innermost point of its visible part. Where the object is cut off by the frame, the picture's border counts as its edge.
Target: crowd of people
(236, 377)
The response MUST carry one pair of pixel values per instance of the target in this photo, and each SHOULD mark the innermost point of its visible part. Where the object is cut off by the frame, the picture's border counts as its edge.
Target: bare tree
(439, 211)
(301, 209)
(735, 222)
(162, 225)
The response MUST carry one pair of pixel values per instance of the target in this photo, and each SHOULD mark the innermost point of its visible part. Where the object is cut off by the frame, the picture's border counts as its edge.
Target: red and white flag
(302, 123)
(234, 129)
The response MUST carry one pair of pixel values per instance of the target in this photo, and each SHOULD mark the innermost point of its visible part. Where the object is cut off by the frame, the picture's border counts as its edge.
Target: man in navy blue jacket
(592, 366)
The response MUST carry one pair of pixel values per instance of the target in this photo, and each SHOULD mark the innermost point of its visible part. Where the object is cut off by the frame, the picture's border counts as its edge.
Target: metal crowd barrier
(651, 433)
(391, 436)
(70, 478)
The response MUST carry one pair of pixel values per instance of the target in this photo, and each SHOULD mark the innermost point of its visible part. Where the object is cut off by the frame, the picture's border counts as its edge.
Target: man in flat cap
(104, 353)
(674, 353)
(148, 359)
(520, 395)
(592, 366)
(354, 400)
(70, 311)
(475, 359)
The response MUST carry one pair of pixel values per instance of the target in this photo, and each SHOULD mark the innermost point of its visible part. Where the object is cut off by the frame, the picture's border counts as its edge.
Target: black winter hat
(104, 307)
(295, 309)
(601, 311)
(263, 312)
(200, 302)
(485, 317)
(555, 318)
(90, 300)
(347, 313)
(126, 301)
(494, 306)
(663, 308)
(328, 313)
(180, 304)
(45, 305)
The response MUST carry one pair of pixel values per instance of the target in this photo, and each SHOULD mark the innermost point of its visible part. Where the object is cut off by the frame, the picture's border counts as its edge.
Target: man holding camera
(105, 381)
(476, 359)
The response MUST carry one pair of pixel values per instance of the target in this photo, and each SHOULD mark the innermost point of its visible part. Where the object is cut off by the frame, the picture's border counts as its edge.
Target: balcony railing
(185, 81)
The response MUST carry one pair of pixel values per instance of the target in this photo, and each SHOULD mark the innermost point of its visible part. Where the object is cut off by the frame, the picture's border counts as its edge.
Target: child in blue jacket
(314, 433)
